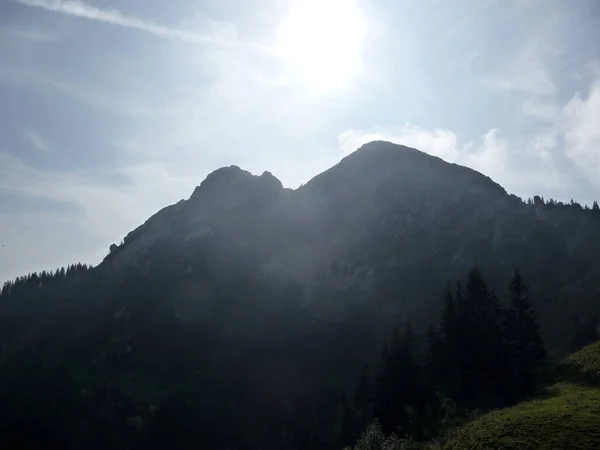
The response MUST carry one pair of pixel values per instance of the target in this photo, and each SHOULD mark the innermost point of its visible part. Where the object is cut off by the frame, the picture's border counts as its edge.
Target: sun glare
(321, 41)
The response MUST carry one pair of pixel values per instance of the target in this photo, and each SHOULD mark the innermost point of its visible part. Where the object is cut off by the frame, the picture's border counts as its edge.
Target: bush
(374, 439)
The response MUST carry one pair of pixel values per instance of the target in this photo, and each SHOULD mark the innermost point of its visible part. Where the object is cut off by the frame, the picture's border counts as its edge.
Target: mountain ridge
(383, 208)
(366, 169)
(251, 307)
(368, 153)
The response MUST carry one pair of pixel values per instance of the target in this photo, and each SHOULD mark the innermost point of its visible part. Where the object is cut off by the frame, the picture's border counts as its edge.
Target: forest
(485, 352)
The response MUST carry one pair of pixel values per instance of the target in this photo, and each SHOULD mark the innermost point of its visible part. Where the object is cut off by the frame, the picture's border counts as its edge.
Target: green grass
(569, 417)
(566, 416)
(585, 364)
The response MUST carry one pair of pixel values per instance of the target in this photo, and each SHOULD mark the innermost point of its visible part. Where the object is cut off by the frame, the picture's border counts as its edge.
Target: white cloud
(80, 9)
(507, 163)
(527, 72)
(582, 136)
(544, 145)
(543, 110)
(491, 157)
(442, 143)
(488, 156)
(561, 145)
(528, 75)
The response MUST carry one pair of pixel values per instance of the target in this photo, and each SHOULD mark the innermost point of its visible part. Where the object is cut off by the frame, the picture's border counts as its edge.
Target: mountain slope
(387, 226)
(568, 418)
(566, 415)
(264, 302)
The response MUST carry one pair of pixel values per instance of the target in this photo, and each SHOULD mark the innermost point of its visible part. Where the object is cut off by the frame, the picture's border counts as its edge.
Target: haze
(110, 110)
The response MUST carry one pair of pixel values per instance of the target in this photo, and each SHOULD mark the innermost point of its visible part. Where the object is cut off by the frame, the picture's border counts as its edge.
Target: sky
(113, 109)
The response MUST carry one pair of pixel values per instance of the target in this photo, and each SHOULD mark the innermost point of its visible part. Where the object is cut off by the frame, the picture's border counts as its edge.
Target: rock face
(228, 197)
(306, 229)
(388, 221)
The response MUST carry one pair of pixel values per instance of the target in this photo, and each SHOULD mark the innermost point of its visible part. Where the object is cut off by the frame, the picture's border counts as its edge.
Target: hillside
(563, 414)
(236, 318)
(566, 415)
(585, 364)
(568, 418)
(386, 223)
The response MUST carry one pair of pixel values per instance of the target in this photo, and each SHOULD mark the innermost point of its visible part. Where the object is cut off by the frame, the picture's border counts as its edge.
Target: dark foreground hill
(235, 318)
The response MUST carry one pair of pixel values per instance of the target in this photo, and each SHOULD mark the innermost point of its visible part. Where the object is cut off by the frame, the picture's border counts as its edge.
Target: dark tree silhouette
(526, 351)
(362, 397)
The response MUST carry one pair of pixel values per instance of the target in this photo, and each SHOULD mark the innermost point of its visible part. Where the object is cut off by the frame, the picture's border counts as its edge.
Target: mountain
(387, 227)
(249, 307)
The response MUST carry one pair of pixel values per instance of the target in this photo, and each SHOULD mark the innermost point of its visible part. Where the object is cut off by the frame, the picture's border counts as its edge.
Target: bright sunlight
(322, 40)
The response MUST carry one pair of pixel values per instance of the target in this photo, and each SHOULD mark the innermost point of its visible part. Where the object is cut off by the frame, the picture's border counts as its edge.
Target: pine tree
(473, 344)
(442, 362)
(585, 332)
(398, 382)
(382, 403)
(362, 397)
(526, 350)
(349, 429)
(467, 360)
(448, 313)
(433, 340)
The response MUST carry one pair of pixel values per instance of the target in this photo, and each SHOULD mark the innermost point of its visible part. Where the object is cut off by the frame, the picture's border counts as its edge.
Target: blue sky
(110, 110)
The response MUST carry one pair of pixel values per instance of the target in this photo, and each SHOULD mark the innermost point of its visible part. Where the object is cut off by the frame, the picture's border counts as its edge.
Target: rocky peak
(227, 195)
(223, 179)
(270, 181)
(377, 182)
(232, 184)
(383, 165)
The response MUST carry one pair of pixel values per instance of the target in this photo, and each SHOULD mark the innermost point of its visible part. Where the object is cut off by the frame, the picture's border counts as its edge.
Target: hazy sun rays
(321, 42)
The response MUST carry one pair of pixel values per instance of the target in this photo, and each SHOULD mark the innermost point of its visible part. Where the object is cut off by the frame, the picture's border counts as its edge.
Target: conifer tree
(349, 429)
(526, 350)
(397, 383)
(362, 397)
(467, 355)
(448, 314)
(382, 388)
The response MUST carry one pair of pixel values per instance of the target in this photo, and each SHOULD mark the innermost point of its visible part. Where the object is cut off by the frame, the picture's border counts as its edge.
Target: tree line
(484, 353)
(42, 279)
(540, 201)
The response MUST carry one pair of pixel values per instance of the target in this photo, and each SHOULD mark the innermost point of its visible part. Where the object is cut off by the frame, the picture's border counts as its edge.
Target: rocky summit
(372, 227)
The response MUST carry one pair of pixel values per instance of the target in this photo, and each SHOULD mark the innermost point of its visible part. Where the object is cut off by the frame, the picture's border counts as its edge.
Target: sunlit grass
(566, 416)
(586, 363)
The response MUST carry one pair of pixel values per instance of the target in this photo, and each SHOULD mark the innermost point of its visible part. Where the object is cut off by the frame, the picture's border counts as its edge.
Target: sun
(321, 42)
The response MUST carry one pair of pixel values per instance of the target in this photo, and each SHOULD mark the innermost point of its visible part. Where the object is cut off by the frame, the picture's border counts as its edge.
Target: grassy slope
(585, 364)
(568, 416)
